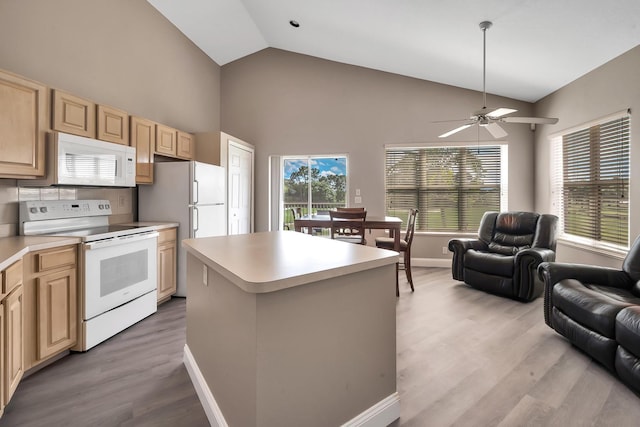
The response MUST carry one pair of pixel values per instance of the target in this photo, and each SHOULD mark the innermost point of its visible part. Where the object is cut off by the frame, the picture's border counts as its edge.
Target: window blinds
(595, 182)
(452, 187)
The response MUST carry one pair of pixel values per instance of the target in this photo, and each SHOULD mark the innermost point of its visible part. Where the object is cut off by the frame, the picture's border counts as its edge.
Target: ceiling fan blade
(495, 130)
(499, 112)
(466, 119)
(456, 130)
(533, 120)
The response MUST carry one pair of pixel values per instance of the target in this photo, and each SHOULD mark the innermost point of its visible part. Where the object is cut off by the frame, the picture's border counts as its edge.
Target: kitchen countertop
(271, 261)
(14, 248)
(157, 224)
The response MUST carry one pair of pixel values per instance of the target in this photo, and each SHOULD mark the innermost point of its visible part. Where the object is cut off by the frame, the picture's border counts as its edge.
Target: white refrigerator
(190, 193)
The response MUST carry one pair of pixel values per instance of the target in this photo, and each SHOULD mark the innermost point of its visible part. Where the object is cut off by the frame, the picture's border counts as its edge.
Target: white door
(240, 170)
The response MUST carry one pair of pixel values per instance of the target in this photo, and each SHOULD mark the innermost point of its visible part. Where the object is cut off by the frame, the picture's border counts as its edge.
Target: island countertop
(271, 261)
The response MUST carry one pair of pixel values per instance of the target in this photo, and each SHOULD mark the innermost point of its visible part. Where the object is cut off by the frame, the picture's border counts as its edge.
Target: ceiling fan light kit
(489, 119)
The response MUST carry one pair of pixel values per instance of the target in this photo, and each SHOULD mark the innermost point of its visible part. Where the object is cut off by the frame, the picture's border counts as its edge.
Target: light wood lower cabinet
(11, 332)
(166, 264)
(14, 350)
(51, 301)
(57, 312)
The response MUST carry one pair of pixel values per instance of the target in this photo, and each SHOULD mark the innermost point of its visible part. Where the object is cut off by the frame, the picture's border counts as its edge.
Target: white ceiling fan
(489, 118)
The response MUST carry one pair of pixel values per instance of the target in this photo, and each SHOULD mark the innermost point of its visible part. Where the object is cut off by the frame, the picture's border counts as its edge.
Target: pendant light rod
(484, 26)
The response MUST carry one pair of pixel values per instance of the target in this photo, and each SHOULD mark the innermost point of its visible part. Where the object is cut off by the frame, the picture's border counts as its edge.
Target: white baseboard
(381, 414)
(209, 404)
(431, 262)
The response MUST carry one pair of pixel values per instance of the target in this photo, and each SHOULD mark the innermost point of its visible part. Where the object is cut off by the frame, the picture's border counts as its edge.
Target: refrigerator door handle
(196, 220)
(196, 191)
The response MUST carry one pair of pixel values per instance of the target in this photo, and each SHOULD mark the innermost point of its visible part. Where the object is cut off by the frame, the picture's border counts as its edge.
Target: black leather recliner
(503, 260)
(598, 310)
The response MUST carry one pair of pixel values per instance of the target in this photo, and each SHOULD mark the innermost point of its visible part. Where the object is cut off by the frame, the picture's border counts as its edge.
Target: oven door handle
(120, 240)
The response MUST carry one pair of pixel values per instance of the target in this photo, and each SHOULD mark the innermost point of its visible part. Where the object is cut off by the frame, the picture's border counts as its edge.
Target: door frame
(227, 140)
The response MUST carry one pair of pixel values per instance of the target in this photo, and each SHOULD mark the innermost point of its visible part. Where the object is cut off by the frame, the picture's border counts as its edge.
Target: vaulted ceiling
(533, 48)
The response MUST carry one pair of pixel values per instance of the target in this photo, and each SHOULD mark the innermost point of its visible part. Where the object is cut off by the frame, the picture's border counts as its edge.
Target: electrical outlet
(357, 200)
(204, 275)
(445, 250)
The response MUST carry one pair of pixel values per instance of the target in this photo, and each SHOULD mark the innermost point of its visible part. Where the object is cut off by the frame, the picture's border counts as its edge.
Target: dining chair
(348, 226)
(405, 248)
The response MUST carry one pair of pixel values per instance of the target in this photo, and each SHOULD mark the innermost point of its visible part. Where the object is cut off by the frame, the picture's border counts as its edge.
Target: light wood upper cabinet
(186, 146)
(166, 140)
(72, 114)
(113, 125)
(143, 138)
(23, 122)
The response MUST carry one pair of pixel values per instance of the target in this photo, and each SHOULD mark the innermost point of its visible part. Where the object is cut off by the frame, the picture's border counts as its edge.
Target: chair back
(411, 226)
(350, 209)
(509, 232)
(348, 225)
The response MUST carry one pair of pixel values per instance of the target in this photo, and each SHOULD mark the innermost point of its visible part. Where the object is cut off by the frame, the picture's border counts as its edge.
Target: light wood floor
(465, 358)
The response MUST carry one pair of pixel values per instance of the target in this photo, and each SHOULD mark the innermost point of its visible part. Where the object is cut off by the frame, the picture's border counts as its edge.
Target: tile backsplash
(123, 201)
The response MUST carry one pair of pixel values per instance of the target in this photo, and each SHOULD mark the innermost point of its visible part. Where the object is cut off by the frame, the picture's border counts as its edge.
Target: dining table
(391, 223)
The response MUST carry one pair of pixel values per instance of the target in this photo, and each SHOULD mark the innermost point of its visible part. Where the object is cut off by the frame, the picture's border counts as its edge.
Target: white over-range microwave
(76, 160)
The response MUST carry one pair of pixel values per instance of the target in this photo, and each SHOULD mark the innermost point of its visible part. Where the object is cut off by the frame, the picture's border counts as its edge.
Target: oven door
(118, 270)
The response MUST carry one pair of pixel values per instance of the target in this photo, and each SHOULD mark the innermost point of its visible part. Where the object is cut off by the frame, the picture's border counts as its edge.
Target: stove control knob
(101, 207)
(33, 210)
(106, 206)
(43, 209)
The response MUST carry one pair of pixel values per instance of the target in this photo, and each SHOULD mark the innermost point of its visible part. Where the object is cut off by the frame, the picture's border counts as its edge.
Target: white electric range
(117, 265)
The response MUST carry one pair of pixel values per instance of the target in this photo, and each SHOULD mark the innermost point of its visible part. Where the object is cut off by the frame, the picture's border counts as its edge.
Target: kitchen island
(287, 329)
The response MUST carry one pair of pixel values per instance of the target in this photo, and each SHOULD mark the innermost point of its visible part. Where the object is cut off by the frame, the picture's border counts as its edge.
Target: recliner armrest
(553, 272)
(459, 247)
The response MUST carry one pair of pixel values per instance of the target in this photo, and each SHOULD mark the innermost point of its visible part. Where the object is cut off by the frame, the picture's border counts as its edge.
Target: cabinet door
(3, 377)
(113, 125)
(14, 328)
(186, 146)
(143, 138)
(166, 140)
(57, 312)
(72, 114)
(166, 264)
(23, 123)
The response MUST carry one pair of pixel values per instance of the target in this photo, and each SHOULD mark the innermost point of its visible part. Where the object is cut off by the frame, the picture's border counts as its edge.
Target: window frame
(558, 188)
(308, 158)
(504, 174)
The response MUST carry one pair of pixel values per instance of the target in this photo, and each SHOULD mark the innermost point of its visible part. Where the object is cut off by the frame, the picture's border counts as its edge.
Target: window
(451, 186)
(313, 184)
(590, 182)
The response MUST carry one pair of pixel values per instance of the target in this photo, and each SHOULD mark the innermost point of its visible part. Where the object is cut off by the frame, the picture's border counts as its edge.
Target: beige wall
(122, 53)
(291, 104)
(608, 89)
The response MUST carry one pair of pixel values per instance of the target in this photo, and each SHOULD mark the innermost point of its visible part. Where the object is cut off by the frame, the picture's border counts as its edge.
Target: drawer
(56, 258)
(12, 277)
(166, 235)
